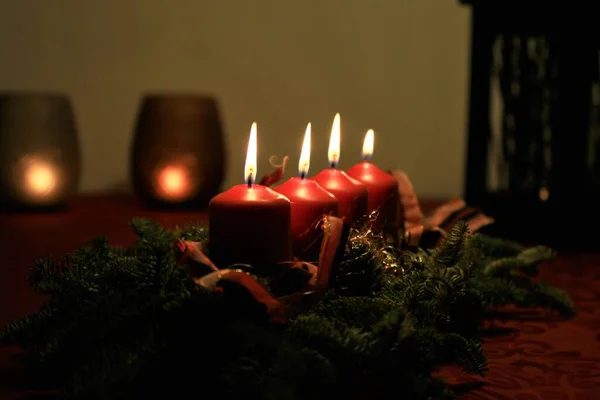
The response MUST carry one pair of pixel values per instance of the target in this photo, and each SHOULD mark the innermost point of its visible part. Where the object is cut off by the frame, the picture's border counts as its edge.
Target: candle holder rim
(178, 95)
(34, 94)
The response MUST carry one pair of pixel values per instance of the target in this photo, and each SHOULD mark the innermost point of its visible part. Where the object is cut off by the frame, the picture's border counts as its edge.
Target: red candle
(310, 202)
(249, 223)
(381, 186)
(351, 194)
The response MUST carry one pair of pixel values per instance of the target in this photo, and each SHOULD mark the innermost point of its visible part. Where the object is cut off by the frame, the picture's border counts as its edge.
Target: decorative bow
(426, 231)
(288, 304)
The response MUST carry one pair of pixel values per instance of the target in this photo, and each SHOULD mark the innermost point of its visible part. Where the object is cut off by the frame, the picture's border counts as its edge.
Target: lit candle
(40, 179)
(351, 194)
(249, 223)
(382, 187)
(310, 202)
(41, 182)
(174, 184)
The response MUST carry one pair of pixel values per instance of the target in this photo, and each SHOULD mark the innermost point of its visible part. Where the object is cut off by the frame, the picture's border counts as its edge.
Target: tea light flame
(304, 162)
(368, 144)
(40, 178)
(173, 183)
(544, 194)
(251, 155)
(334, 143)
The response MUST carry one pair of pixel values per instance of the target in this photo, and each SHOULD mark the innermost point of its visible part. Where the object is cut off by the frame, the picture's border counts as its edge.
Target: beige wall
(397, 66)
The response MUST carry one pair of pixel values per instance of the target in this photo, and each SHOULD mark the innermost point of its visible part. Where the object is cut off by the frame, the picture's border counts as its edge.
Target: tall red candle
(381, 186)
(351, 194)
(249, 223)
(310, 202)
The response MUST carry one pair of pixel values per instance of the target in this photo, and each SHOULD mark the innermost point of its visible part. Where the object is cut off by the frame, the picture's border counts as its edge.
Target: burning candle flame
(304, 162)
(368, 144)
(174, 183)
(334, 142)
(173, 180)
(251, 163)
(41, 178)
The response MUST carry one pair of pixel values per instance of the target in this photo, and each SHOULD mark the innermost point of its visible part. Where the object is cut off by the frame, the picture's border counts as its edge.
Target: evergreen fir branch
(453, 245)
(527, 261)
(468, 352)
(23, 331)
(300, 373)
(537, 294)
(521, 291)
(94, 250)
(117, 317)
(391, 330)
(496, 292)
(347, 346)
(360, 312)
(45, 277)
(194, 233)
(496, 247)
(503, 276)
(554, 298)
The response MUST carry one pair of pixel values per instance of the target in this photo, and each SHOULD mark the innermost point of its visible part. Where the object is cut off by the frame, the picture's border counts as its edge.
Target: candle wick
(332, 165)
(249, 180)
(302, 175)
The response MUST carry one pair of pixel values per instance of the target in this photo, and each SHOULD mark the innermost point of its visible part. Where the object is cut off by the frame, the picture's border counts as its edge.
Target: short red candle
(249, 223)
(351, 194)
(310, 202)
(381, 186)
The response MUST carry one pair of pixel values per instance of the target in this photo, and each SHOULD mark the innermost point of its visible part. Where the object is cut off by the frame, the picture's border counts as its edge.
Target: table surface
(532, 355)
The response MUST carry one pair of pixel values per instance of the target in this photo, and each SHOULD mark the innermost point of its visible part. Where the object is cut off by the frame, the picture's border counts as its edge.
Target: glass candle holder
(178, 154)
(39, 150)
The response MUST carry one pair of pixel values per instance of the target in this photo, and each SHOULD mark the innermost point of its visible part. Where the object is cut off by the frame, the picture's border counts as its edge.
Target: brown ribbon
(277, 175)
(274, 308)
(419, 230)
(194, 252)
(409, 211)
(333, 231)
(282, 307)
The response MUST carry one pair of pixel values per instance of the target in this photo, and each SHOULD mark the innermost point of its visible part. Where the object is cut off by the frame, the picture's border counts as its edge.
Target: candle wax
(310, 202)
(383, 192)
(249, 225)
(351, 194)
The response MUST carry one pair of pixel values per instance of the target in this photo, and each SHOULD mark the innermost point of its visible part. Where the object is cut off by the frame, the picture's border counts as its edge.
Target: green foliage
(128, 322)
(503, 272)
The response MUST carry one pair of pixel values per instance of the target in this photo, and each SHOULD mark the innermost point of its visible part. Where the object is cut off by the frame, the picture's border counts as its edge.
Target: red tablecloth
(532, 356)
